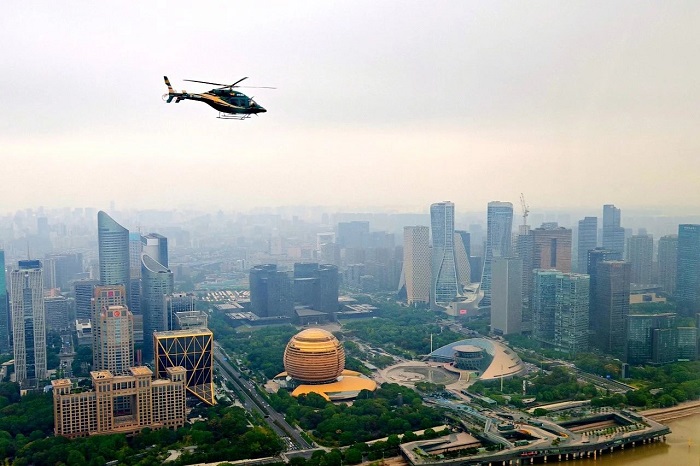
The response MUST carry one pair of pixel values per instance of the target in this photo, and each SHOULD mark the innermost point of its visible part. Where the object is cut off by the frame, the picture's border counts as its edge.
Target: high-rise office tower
(444, 288)
(462, 264)
(156, 246)
(688, 267)
(56, 310)
(353, 235)
(687, 341)
(178, 302)
(587, 240)
(668, 262)
(608, 316)
(507, 299)
(156, 283)
(475, 264)
(5, 321)
(84, 293)
(271, 291)
(117, 339)
(552, 248)
(329, 286)
(640, 329)
(546, 247)
(613, 233)
(103, 297)
(640, 252)
(416, 264)
(135, 250)
(193, 350)
(560, 305)
(28, 322)
(466, 240)
(113, 246)
(525, 251)
(61, 269)
(315, 285)
(499, 226)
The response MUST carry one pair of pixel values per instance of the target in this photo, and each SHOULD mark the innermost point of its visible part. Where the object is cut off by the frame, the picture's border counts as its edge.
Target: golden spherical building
(314, 356)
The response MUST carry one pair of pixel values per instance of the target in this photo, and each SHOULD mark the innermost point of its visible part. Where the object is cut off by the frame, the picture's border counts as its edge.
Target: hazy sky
(379, 103)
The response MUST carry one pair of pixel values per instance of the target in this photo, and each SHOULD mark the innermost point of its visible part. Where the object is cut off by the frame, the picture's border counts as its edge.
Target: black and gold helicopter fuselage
(229, 103)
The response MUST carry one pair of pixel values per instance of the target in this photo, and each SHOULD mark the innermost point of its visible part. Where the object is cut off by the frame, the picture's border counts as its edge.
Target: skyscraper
(5, 320)
(353, 235)
(560, 305)
(552, 248)
(613, 233)
(193, 350)
(156, 282)
(444, 288)
(507, 299)
(462, 264)
(156, 246)
(316, 285)
(117, 339)
(640, 329)
(113, 245)
(84, 294)
(640, 251)
(587, 240)
(416, 264)
(609, 311)
(688, 267)
(499, 226)
(525, 251)
(103, 297)
(56, 311)
(271, 291)
(28, 322)
(135, 250)
(178, 302)
(668, 262)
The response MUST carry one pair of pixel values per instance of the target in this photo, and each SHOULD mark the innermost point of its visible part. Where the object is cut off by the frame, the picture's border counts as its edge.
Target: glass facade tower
(113, 246)
(28, 322)
(688, 267)
(499, 225)
(444, 270)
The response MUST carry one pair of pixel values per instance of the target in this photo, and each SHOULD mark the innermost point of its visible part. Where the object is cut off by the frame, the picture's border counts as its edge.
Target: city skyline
(538, 99)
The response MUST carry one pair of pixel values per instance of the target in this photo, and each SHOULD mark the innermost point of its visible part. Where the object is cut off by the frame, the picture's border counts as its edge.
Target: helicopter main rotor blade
(256, 87)
(205, 82)
(232, 85)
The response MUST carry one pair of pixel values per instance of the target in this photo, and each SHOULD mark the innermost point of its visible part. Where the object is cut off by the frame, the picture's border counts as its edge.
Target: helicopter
(232, 105)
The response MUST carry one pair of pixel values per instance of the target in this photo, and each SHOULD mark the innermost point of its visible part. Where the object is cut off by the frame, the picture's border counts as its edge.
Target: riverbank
(688, 408)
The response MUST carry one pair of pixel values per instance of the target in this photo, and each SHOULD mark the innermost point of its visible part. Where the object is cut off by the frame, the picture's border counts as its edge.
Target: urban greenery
(403, 331)
(391, 409)
(26, 428)
(557, 385)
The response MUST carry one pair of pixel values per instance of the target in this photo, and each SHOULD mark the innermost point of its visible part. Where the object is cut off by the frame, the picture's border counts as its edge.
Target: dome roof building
(314, 356)
(314, 362)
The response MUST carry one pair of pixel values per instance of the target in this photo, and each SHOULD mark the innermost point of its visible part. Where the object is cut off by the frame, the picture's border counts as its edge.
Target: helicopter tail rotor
(171, 92)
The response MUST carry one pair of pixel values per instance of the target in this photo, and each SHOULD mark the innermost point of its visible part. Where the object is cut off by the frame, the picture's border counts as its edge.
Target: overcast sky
(378, 103)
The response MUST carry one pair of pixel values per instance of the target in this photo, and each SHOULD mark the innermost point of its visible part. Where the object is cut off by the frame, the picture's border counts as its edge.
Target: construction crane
(526, 209)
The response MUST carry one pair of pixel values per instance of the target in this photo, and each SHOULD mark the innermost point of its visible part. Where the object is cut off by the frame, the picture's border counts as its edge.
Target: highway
(252, 401)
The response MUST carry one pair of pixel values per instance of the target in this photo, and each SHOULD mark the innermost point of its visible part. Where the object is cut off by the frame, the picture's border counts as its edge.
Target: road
(252, 401)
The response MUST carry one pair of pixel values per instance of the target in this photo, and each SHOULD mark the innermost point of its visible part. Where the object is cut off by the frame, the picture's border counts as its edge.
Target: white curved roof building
(502, 362)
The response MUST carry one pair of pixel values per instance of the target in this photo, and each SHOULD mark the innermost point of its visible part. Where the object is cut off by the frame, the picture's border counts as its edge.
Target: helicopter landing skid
(229, 116)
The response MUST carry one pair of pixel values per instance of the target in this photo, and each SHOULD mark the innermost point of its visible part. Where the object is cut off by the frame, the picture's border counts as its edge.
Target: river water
(681, 448)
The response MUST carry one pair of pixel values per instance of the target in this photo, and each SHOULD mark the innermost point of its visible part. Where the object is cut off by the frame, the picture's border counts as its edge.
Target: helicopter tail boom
(171, 92)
